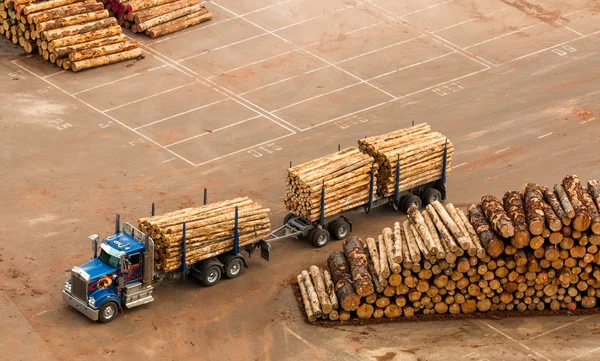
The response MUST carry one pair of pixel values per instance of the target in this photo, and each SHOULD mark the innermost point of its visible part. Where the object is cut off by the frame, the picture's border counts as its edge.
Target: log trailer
(123, 274)
(319, 231)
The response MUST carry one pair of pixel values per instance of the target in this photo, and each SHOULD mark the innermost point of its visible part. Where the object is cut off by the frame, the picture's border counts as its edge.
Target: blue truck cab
(119, 276)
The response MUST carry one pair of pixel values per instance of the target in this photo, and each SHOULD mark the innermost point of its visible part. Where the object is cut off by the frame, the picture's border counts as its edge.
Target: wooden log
(497, 217)
(103, 50)
(389, 248)
(474, 237)
(137, 5)
(514, 206)
(534, 208)
(374, 253)
(588, 202)
(365, 311)
(177, 24)
(382, 302)
(445, 237)
(305, 299)
(358, 262)
(85, 37)
(63, 32)
(434, 234)
(65, 51)
(312, 295)
(71, 20)
(384, 265)
(551, 198)
(105, 60)
(319, 285)
(398, 253)
(572, 188)
(330, 288)
(63, 11)
(467, 244)
(493, 245)
(594, 190)
(394, 311)
(149, 13)
(564, 200)
(344, 315)
(420, 243)
(378, 281)
(334, 315)
(411, 243)
(196, 9)
(340, 272)
(418, 222)
(45, 5)
(450, 224)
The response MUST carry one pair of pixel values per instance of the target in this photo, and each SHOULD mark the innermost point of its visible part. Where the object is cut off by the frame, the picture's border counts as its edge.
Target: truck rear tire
(108, 312)
(211, 275)
(431, 195)
(233, 267)
(409, 201)
(339, 229)
(320, 237)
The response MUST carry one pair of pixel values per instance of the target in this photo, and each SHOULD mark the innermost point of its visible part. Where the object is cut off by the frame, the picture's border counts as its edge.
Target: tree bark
(50, 35)
(196, 9)
(554, 202)
(85, 37)
(103, 50)
(594, 189)
(358, 261)
(137, 5)
(588, 202)
(374, 253)
(572, 187)
(177, 24)
(330, 288)
(493, 245)
(389, 247)
(45, 5)
(467, 244)
(445, 236)
(383, 262)
(72, 20)
(63, 11)
(105, 60)
(449, 223)
(419, 223)
(65, 51)
(147, 14)
(340, 273)
(564, 200)
(497, 216)
(474, 237)
(397, 256)
(319, 286)
(514, 206)
(312, 295)
(305, 299)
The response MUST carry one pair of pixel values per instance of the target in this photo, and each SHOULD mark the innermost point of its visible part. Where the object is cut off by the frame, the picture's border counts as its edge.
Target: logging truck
(320, 231)
(123, 274)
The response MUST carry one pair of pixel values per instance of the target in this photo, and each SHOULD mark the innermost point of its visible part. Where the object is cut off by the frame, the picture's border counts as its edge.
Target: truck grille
(78, 287)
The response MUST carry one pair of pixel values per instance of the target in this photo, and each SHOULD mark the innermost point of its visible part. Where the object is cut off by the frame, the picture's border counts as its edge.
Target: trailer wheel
(288, 217)
(409, 201)
(339, 229)
(431, 195)
(108, 312)
(211, 275)
(234, 267)
(320, 237)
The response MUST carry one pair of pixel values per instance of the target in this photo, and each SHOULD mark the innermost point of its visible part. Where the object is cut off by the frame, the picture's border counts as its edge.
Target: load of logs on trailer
(418, 150)
(346, 174)
(209, 231)
(156, 18)
(73, 34)
(534, 249)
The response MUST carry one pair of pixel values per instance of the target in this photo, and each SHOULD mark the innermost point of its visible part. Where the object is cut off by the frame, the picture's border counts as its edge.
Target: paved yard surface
(228, 105)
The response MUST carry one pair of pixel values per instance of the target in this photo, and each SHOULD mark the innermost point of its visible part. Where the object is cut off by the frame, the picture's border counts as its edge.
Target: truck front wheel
(108, 312)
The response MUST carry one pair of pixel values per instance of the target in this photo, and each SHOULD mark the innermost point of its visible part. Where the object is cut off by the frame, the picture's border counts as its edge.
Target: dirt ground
(227, 105)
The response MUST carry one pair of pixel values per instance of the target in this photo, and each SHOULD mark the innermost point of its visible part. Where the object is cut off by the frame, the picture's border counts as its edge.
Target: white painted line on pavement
(545, 135)
(503, 150)
(589, 120)
(460, 165)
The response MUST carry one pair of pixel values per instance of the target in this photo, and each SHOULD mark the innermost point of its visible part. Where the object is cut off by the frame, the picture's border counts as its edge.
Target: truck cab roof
(124, 242)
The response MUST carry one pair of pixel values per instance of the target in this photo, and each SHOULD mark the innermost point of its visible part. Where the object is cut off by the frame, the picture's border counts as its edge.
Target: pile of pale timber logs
(73, 34)
(419, 151)
(533, 250)
(345, 175)
(209, 231)
(156, 18)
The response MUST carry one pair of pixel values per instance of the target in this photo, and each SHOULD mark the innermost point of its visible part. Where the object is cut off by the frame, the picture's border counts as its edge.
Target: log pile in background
(73, 34)
(536, 249)
(419, 151)
(156, 18)
(346, 176)
(209, 231)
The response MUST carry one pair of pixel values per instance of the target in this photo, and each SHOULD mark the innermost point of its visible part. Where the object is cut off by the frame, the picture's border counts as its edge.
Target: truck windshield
(109, 259)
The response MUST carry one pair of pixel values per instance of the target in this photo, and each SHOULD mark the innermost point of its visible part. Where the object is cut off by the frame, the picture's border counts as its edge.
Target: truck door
(135, 261)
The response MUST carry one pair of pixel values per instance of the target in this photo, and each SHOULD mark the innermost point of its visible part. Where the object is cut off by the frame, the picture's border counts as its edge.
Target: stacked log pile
(534, 249)
(156, 18)
(419, 151)
(209, 231)
(73, 34)
(345, 176)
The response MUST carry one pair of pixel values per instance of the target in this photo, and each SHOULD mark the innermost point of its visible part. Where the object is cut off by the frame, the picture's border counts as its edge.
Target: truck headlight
(68, 286)
(91, 302)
